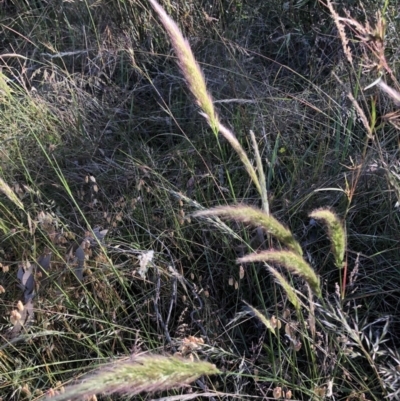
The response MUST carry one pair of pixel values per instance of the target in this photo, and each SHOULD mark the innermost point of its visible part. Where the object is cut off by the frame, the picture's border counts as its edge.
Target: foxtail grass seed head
(142, 374)
(264, 320)
(336, 233)
(197, 84)
(290, 261)
(237, 147)
(290, 292)
(257, 218)
(189, 66)
(261, 174)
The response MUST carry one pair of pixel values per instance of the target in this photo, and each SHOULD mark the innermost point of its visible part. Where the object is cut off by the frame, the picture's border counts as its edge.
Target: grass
(247, 251)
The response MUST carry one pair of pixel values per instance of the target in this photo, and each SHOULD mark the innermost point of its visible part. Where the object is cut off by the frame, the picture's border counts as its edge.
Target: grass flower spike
(266, 322)
(146, 373)
(290, 261)
(257, 218)
(189, 66)
(197, 85)
(290, 292)
(336, 233)
(121, 121)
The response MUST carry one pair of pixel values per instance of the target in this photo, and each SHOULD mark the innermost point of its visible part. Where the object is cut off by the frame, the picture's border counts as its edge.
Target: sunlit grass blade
(257, 218)
(261, 173)
(290, 261)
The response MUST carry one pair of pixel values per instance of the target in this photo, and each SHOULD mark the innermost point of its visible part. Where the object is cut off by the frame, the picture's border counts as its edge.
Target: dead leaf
(44, 264)
(27, 280)
(80, 257)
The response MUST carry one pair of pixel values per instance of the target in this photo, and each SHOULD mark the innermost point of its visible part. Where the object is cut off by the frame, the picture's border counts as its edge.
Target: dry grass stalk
(373, 39)
(290, 261)
(340, 27)
(143, 374)
(336, 233)
(189, 66)
(361, 115)
(257, 218)
(197, 85)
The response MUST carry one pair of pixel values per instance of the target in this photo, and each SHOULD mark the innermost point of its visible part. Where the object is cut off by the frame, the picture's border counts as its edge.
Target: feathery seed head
(290, 261)
(145, 373)
(189, 66)
(257, 218)
(336, 233)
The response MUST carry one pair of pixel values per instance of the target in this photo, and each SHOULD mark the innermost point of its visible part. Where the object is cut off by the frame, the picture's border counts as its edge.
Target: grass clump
(114, 197)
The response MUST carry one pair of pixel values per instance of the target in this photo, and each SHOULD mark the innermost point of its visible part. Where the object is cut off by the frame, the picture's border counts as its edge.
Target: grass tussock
(123, 209)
